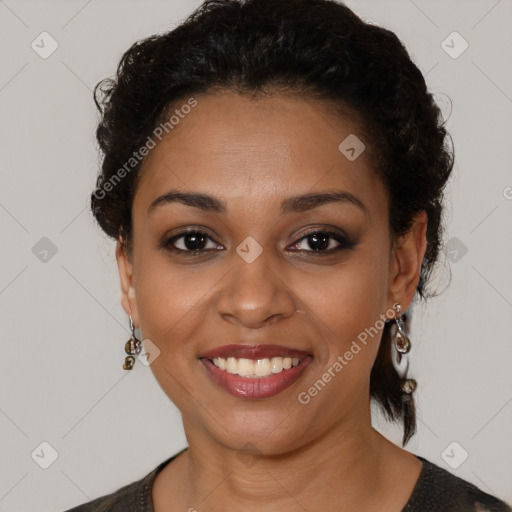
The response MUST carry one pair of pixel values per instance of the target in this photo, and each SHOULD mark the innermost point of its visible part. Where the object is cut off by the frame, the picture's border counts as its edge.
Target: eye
(190, 242)
(322, 242)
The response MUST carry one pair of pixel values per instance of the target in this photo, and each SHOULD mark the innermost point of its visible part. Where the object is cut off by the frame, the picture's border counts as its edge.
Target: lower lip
(256, 387)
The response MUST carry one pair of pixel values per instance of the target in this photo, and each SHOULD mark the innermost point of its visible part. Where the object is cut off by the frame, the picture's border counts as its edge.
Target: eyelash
(344, 243)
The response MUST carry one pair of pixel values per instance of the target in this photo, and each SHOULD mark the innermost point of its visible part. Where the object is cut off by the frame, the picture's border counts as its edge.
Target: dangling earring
(132, 347)
(402, 346)
(401, 341)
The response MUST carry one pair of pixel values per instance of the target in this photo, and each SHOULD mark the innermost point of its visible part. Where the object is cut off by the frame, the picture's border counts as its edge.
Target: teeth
(231, 365)
(245, 367)
(262, 368)
(255, 368)
(277, 364)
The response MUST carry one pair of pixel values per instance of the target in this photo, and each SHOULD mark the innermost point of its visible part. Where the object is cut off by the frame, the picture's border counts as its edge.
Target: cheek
(171, 302)
(347, 304)
(165, 301)
(350, 297)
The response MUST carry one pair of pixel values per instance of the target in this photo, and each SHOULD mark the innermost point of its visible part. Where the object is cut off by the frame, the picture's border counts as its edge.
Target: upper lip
(254, 351)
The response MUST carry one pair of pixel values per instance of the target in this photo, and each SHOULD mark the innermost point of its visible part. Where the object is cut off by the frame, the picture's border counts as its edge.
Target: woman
(273, 175)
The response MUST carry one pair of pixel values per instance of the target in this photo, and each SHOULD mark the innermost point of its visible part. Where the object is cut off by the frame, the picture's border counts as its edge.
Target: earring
(132, 347)
(402, 346)
(401, 341)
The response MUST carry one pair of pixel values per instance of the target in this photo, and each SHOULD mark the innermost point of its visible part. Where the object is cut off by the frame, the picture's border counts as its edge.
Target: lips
(252, 387)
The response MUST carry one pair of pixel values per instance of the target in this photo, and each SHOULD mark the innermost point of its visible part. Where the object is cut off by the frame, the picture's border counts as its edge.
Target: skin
(252, 154)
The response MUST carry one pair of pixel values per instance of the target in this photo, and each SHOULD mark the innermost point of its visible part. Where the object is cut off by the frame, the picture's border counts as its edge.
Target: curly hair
(317, 48)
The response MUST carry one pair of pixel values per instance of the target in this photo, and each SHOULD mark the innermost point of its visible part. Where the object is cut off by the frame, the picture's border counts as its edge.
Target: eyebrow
(293, 204)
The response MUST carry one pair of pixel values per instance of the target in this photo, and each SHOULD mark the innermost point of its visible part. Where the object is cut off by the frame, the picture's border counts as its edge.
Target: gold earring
(132, 347)
(401, 341)
(402, 346)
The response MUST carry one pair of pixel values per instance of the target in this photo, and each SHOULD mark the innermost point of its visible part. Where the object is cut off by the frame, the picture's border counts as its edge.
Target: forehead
(244, 149)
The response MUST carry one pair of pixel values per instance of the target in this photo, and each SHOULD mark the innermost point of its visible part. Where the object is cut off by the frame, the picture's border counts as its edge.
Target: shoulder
(133, 497)
(439, 490)
(129, 498)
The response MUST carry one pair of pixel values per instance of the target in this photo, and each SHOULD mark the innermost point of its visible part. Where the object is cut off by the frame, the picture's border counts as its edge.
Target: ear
(128, 297)
(406, 260)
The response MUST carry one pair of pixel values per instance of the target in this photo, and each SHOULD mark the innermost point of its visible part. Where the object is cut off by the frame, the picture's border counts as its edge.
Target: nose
(256, 294)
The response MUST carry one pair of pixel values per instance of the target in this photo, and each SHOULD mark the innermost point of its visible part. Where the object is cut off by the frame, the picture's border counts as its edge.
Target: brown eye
(190, 242)
(322, 242)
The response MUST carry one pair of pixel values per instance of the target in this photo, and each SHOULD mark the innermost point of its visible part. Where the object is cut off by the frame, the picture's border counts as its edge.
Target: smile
(255, 368)
(255, 379)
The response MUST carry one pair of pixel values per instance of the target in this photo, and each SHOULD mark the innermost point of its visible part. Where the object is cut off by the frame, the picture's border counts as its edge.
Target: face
(317, 274)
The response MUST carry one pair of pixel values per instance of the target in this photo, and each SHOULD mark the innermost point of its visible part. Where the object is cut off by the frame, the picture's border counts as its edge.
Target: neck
(335, 468)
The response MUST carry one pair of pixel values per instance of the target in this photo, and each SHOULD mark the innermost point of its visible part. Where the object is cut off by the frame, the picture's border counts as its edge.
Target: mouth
(255, 371)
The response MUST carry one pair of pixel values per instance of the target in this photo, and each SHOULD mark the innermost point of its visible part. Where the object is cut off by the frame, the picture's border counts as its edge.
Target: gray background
(63, 329)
